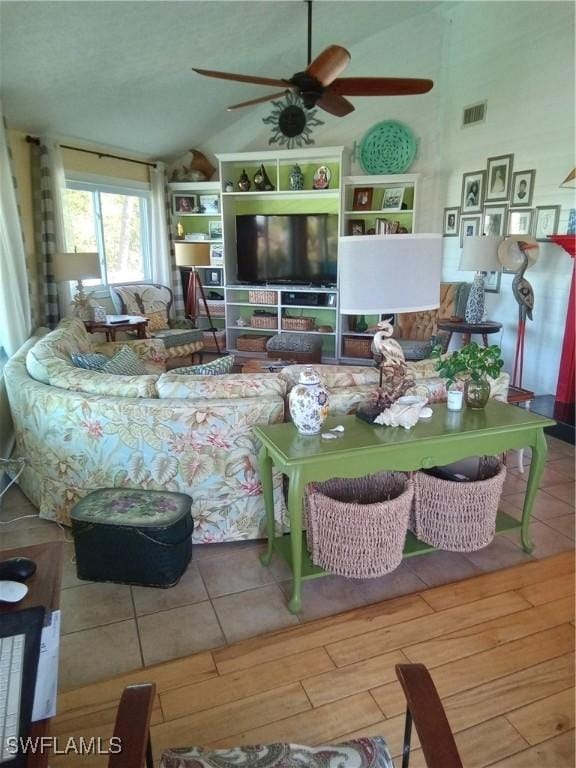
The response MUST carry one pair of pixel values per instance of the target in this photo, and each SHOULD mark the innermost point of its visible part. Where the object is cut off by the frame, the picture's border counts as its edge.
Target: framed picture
(216, 255)
(469, 227)
(495, 219)
(519, 222)
(185, 204)
(473, 192)
(215, 230)
(362, 199)
(522, 189)
(451, 221)
(392, 198)
(209, 204)
(492, 282)
(356, 227)
(331, 300)
(498, 178)
(546, 221)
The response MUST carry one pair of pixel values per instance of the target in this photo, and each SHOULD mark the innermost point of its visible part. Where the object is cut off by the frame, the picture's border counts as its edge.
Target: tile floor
(226, 595)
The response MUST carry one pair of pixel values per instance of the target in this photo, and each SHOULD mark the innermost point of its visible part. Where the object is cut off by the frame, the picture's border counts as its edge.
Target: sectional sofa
(80, 429)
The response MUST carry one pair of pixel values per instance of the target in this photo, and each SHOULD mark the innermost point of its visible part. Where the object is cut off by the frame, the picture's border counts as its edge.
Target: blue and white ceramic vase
(475, 306)
(296, 178)
(308, 402)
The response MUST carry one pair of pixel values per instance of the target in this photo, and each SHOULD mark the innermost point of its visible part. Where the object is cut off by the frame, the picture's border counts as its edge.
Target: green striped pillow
(213, 368)
(124, 363)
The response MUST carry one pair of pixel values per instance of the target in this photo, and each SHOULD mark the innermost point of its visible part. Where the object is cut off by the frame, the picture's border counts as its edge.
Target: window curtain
(48, 185)
(15, 317)
(164, 269)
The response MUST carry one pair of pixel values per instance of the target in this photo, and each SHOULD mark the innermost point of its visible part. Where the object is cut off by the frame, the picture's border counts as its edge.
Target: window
(113, 220)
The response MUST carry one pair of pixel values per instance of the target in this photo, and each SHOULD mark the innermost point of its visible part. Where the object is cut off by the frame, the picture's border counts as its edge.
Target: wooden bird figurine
(383, 346)
(524, 295)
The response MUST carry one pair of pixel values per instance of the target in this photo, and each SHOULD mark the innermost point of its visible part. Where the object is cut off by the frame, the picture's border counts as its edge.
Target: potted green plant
(471, 364)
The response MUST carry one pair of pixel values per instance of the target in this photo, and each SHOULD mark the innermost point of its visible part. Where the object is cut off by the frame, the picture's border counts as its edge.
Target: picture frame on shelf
(184, 205)
(212, 277)
(216, 255)
(498, 178)
(362, 199)
(331, 300)
(492, 281)
(520, 221)
(494, 220)
(546, 221)
(209, 204)
(469, 227)
(451, 221)
(392, 198)
(356, 227)
(473, 192)
(215, 230)
(522, 189)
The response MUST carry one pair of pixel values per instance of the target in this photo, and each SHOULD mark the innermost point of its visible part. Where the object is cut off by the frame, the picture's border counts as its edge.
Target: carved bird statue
(383, 346)
(524, 295)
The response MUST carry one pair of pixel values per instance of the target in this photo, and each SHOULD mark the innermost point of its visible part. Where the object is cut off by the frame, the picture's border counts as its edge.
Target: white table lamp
(479, 254)
(76, 266)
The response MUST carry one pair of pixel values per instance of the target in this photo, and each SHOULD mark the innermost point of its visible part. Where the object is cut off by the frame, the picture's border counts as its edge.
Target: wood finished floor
(500, 648)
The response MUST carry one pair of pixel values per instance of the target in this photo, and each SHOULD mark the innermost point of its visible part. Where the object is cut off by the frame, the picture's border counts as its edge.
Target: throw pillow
(157, 321)
(213, 368)
(90, 361)
(124, 363)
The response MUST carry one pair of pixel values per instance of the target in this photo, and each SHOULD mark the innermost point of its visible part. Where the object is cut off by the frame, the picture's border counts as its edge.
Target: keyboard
(11, 666)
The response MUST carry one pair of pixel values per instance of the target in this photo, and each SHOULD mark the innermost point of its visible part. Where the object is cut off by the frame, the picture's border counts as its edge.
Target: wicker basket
(251, 343)
(357, 527)
(208, 339)
(217, 308)
(262, 297)
(298, 323)
(264, 321)
(357, 346)
(457, 516)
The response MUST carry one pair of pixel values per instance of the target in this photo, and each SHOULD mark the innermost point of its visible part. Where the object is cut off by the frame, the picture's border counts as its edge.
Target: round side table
(467, 329)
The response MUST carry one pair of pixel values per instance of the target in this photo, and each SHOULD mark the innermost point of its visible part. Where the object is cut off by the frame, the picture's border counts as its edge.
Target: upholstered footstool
(297, 347)
(132, 536)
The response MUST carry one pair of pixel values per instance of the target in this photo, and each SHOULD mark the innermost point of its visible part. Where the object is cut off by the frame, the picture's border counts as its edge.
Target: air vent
(476, 113)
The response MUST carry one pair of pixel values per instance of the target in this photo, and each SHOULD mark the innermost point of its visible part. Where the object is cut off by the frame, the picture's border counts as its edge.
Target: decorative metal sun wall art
(291, 123)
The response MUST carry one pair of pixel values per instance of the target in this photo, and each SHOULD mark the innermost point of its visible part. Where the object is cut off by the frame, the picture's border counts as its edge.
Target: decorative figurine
(228, 187)
(261, 180)
(180, 230)
(296, 178)
(322, 177)
(244, 182)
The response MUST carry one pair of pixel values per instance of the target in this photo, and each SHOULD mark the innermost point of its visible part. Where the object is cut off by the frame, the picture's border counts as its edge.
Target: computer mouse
(17, 569)
(12, 591)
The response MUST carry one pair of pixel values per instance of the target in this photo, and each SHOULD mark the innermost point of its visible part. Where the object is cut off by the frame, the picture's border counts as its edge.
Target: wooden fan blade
(335, 104)
(243, 78)
(380, 86)
(269, 97)
(327, 66)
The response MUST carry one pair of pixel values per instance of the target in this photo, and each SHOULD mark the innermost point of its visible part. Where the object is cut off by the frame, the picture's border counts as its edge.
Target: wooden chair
(424, 709)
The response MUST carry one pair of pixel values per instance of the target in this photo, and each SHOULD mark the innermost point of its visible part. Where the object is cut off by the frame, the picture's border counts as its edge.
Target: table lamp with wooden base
(193, 255)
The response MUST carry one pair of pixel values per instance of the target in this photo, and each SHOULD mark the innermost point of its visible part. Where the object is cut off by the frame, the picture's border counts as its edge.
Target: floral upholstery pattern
(215, 387)
(133, 508)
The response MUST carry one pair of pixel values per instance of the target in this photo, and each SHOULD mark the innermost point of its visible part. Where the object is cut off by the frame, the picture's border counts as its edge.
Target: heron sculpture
(524, 295)
(395, 379)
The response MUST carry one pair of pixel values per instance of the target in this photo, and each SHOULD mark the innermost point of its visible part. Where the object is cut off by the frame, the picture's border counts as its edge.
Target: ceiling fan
(319, 85)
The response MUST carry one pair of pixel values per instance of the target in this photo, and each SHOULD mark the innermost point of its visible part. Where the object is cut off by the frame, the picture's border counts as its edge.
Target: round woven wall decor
(388, 147)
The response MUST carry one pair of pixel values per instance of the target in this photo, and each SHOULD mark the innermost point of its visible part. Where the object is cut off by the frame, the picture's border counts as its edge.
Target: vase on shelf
(262, 181)
(476, 393)
(308, 402)
(361, 324)
(244, 182)
(296, 178)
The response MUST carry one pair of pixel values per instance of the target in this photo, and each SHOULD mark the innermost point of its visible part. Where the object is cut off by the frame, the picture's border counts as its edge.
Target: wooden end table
(467, 329)
(114, 323)
(364, 449)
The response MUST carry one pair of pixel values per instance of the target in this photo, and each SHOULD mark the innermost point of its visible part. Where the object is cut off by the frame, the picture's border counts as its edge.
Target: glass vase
(476, 393)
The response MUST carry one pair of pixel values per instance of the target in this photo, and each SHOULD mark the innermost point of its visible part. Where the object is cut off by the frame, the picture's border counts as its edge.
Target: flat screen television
(287, 248)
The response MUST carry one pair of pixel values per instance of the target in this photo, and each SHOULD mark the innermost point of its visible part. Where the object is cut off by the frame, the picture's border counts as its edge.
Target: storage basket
(208, 339)
(298, 323)
(262, 297)
(264, 321)
(217, 308)
(357, 527)
(132, 536)
(251, 343)
(355, 346)
(457, 516)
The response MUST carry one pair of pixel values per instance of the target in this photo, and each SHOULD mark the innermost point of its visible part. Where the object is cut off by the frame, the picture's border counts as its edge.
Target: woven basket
(217, 308)
(457, 516)
(355, 346)
(249, 343)
(357, 527)
(262, 297)
(298, 323)
(208, 339)
(262, 321)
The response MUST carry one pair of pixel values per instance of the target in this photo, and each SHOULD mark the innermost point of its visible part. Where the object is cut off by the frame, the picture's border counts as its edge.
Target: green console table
(363, 449)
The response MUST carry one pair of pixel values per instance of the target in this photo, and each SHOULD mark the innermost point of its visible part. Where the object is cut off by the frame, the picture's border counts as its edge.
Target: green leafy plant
(471, 361)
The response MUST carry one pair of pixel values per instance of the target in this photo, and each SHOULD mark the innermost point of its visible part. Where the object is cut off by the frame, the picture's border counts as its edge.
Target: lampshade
(570, 180)
(395, 273)
(75, 266)
(192, 254)
(480, 254)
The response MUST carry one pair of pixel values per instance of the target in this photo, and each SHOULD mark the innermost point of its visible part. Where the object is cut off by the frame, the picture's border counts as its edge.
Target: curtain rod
(34, 140)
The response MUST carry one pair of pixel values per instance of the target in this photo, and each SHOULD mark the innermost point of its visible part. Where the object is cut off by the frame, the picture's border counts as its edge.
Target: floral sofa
(81, 430)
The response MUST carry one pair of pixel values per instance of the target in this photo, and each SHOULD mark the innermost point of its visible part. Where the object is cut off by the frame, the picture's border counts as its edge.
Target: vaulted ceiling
(118, 74)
